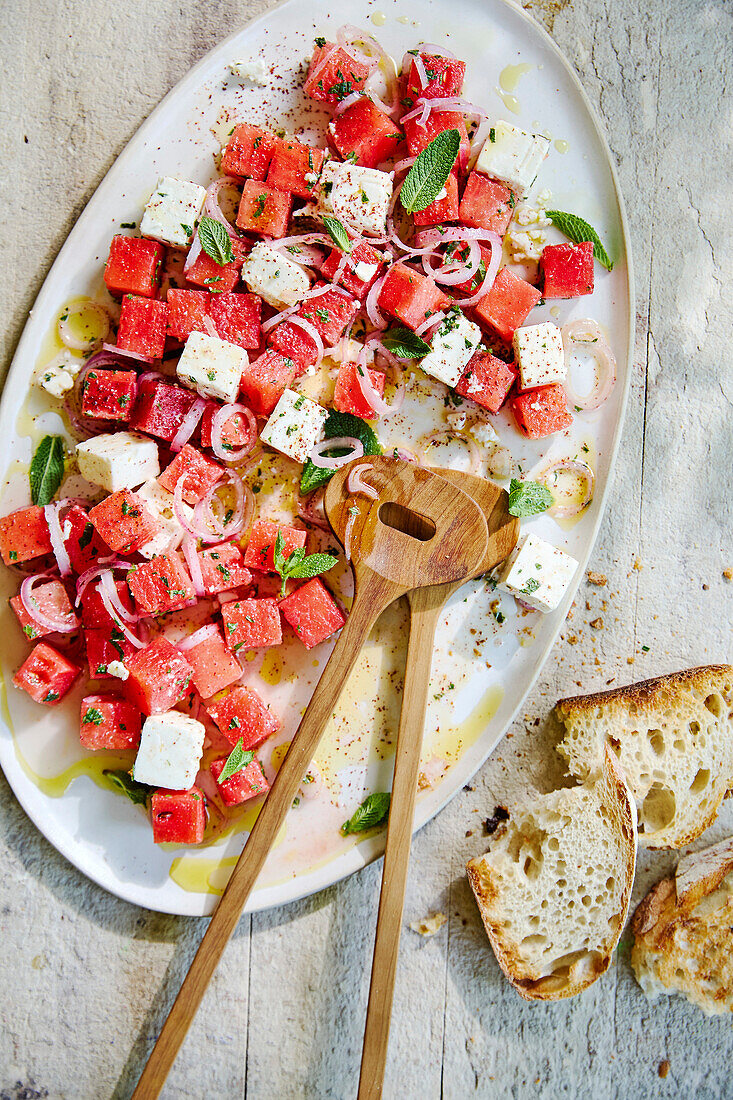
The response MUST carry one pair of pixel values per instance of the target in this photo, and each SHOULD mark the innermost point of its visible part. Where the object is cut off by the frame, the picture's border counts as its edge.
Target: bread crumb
(663, 1069)
(637, 564)
(728, 574)
(597, 624)
(629, 660)
(599, 579)
(428, 926)
(572, 639)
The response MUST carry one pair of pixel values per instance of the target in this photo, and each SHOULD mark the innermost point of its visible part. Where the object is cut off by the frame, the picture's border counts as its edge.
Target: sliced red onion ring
(355, 481)
(491, 272)
(217, 426)
(198, 636)
(314, 334)
(96, 570)
(373, 312)
(586, 475)
(61, 624)
(452, 272)
(430, 323)
(588, 336)
(193, 254)
(371, 394)
(422, 76)
(306, 298)
(348, 530)
(209, 326)
(311, 510)
(110, 609)
(188, 425)
(449, 103)
(150, 375)
(346, 37)
(64, 328)
(406, 456)
(206, 525)
(190, 553)
(107, 584)
(348, 101)
(52, 514)
(342, 442)
(436, 51)
(454, 433)
(114, 350)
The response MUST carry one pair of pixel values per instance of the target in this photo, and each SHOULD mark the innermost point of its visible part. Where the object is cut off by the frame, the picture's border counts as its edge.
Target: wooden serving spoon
(426, 605)
(420, 531)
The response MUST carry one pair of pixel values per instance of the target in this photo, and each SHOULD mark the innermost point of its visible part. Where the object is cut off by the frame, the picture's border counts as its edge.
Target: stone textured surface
(86, 978)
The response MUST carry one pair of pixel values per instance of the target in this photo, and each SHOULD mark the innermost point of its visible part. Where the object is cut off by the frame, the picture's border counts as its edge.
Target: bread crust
(644, 691)
(585, 969)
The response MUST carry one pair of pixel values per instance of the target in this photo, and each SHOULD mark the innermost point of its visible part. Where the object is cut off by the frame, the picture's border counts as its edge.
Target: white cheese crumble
(295, 425)
(122, 460)
(428, 926)
(525, 238)
(58, 376)
(538, 573)
(252, 69)
(116, 668)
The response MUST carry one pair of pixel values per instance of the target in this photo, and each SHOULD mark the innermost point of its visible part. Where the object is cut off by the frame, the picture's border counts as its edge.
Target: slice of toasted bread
(673, 737)
(682, 940)
(555, 886)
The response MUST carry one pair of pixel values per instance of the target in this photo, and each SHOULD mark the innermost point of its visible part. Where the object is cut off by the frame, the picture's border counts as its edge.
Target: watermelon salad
(291, 311)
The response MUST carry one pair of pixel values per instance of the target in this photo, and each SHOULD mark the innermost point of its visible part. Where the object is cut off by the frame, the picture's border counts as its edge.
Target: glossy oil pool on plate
(483, 666)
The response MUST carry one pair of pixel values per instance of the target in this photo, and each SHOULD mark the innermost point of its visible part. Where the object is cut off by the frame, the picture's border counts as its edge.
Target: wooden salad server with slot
(420, 530)
(426, 605)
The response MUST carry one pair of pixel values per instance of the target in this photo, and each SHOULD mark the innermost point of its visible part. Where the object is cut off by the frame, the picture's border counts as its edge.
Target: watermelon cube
(251, 623)
(46, 675)
(178, 817)
(541, 411)
(108, 394)
(366, 132)
(445, 78)
(123, 521)
(241, 713)
(105, 645)
(237, 318)
(83, 544)
(214, 666)
(186, 312)
(486, 204)
(93, 612)
(454, 252)
(410, 296)
(420, 134)
(161, 408)
(442, 210)
(107, 721)
(506, 305)
(361, 254)
(235, 431)
(248, 152)
(265, 379)
(223, 568)
(243, 785)
(49, 599)
(143, 325)
(347, 395)
(218, 278)
(199, 474)
(134, 266)
(333, 74)
(264, 209)
(160, 585)
(295, 167)
(294, 343)
(330, 313)
(487, 380)
(24, 535)
(312, 612)
(160, 677)
(260, 553)
(567, 270)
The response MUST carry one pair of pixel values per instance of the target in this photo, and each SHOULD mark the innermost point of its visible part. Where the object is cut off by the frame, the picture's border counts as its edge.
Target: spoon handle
(373, 595)
(425, 608)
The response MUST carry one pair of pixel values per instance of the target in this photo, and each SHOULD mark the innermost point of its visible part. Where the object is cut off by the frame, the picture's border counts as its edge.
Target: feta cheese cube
(359, 197)
(514, 156)
(170, 750)
(159, 502)
(276, 278)
(172, 211)
(453, 344)
(538, 573)
(122, 460)
(295, 425)
(212, 367)
(540, 356)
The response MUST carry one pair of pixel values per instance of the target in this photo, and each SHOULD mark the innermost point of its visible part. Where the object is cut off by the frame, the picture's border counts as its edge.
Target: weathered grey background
(86, 979)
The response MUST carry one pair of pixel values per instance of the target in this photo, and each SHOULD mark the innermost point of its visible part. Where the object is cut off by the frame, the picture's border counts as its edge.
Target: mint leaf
(236, 761)
(405, 344)
(528, 498)
(373, 811)
(297, 565)
(427, 177)
(123, 782)
(578, 230)
(337, 233)
(47, 469)
(93, 717)
(215, 241)
(338, 424)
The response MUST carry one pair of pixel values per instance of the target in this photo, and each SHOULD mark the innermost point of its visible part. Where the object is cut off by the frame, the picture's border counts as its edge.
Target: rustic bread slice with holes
(682, 940)
(555, 886)
(673, 737)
